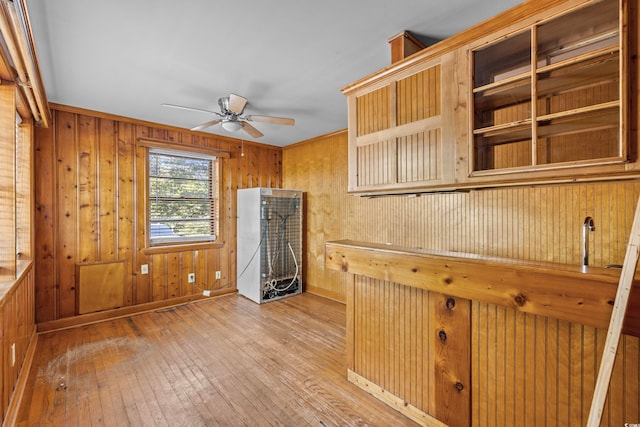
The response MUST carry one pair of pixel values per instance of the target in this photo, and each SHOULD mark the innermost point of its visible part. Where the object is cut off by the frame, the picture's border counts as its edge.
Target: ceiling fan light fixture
(231, 126)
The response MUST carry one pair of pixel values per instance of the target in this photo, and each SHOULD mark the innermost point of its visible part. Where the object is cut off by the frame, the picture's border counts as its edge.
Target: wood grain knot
(450, 303)
(448, 280)
(459, 386)
(345, 267)
(414, 269)
(442, 335)
(520, 299)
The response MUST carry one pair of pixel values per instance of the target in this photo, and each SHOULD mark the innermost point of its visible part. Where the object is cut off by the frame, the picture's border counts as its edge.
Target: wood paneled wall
(552, 382)
(90, 204)
(533, 223)
(17, 327)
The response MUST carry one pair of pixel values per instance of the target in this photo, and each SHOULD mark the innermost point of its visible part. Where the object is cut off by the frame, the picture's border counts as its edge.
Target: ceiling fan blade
(251, 130)
(189, 108)
(236, 103)
(207, 124)
(269, 119)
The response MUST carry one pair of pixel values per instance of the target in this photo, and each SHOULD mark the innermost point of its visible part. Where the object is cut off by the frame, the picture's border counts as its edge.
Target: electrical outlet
(13, 354)
(218, 275)
(206, 293)
(144, 269)
(191, 277)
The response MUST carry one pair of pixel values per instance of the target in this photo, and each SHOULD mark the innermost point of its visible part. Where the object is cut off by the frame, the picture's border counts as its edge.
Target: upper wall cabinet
(538, 94)
(550, 96)
(395, 127)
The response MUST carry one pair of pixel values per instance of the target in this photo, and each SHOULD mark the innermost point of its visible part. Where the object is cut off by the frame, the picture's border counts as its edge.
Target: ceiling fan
(231, 118)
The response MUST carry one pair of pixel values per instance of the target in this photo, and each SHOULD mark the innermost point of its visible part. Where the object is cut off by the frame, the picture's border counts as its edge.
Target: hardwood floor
(219, 362)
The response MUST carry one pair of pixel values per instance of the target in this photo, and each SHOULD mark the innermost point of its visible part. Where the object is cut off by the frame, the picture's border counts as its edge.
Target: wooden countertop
(561, 291)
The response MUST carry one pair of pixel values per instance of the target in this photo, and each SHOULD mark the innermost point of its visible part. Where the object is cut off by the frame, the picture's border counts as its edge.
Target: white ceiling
(290, 58)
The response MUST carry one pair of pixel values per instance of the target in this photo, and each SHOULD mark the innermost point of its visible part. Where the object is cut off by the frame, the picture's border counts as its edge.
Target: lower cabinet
(459, 340)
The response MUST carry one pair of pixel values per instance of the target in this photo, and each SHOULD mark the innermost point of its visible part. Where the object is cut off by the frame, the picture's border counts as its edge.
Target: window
(183, 196)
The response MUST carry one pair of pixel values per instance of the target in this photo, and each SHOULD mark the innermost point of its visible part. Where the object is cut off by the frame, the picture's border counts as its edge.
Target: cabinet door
(502, 119)
(397, 140)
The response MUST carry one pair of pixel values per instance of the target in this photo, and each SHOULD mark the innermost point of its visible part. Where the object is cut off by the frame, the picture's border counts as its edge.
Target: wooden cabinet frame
(592, 59)
(455, 159)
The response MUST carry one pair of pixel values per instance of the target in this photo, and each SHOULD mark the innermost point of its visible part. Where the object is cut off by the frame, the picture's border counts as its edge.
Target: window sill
(164, 249)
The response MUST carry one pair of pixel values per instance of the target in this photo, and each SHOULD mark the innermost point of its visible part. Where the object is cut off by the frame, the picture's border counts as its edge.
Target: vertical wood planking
(91, 206)
(418, 157)
(555, 379)
(419, 96)
(67, 212)
(107, 184)
(17, 327)
(45, 163)
(532, 223)
(392, 343)
(124, 194)
(140, 193)
(319, 168)
(88, 189)
(373, 111)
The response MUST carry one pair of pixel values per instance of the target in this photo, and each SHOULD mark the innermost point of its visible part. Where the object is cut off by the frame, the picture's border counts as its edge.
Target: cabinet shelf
(505, 84)
(579, 120)
(593, 69)
(505, 133)
(604, 54)
(567, 109)
(503, 93)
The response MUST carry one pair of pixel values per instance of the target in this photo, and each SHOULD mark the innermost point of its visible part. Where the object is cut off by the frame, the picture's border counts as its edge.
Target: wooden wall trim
(166, 249)
(171, 145)
(101, 316)
(115, 117)
(315, 139)
(395, 402)
(316, 290)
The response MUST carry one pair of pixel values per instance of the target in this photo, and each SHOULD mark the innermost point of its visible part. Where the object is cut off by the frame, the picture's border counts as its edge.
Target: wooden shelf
(580, 120)
(504, 84)
(603, 108)
(511, 91)
(575, 90)
(597, 68)
(593, 57)
(506, 127)
(505, 133)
